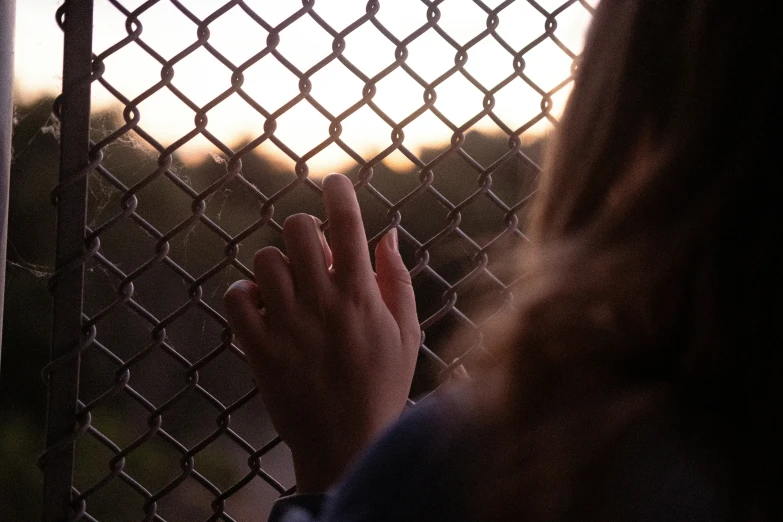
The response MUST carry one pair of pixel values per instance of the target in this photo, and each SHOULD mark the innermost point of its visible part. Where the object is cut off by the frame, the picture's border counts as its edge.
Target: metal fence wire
(152, 414)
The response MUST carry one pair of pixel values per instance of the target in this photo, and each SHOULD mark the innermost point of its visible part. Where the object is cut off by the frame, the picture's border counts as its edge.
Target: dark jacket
(424, 468)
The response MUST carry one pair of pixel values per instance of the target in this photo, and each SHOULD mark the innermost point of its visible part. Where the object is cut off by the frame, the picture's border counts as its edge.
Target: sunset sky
(304, 43)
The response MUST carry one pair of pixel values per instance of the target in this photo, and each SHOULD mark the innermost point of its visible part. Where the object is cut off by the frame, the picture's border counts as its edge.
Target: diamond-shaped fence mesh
(189, 131)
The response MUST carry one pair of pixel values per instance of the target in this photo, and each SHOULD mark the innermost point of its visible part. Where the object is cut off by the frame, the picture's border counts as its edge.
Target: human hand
(332, 348)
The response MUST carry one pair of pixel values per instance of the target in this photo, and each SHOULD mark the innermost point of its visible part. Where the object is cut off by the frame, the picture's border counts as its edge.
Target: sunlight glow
(304, 43)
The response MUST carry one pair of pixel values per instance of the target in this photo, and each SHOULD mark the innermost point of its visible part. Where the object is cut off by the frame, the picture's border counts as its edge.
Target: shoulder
(411, 473)
(405, 475)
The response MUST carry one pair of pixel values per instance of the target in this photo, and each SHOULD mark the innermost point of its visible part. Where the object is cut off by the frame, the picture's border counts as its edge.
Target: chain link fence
(152, 414)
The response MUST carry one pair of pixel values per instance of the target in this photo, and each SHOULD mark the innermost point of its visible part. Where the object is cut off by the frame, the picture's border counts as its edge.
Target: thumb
(394, 282)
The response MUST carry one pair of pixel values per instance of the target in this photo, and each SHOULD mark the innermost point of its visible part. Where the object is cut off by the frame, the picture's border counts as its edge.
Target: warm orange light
(304, 43)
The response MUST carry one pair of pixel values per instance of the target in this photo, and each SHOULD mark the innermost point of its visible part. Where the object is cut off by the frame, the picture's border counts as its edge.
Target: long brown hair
(654, 283)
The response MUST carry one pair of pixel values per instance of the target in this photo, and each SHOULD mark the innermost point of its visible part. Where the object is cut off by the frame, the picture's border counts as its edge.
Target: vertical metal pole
(69, 282)
(7, 19)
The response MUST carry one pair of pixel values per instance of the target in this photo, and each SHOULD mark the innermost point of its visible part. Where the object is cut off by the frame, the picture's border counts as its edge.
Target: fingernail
(460, 373)
(318, 222)
(318, 225)
(393, 241)
(324, 244)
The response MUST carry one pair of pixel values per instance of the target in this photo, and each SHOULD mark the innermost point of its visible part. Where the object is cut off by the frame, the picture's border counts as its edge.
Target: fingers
(273, 277)
(394, 282)
(305, 247)
(241, 304)
(346, 230)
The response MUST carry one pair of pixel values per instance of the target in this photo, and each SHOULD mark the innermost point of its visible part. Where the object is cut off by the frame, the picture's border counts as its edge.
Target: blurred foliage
(28, 315)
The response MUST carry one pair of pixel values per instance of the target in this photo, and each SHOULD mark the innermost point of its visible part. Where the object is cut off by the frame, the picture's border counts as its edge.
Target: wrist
(315, 474)
(320, 467)
(320, 462)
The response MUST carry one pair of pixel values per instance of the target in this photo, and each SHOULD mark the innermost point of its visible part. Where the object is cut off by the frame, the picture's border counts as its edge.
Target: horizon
(236, 36)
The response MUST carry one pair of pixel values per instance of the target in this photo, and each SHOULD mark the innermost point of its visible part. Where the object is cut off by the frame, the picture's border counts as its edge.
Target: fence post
(7, 20)
(68, 281)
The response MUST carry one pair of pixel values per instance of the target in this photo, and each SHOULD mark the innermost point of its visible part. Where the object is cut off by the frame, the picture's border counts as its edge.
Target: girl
(635, 381)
